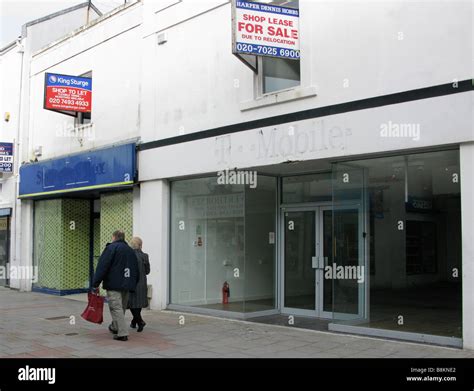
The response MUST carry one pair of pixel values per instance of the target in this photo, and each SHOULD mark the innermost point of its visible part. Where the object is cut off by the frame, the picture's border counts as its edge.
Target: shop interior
(405, 230)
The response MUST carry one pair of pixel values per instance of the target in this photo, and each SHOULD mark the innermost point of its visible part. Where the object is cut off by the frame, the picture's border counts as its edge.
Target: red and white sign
(266, 30)
(68, 93)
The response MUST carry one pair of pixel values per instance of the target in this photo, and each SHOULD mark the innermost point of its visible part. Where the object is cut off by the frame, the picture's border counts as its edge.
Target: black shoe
(112, 330)
(133, 325)
(141, 326)
(117, 338)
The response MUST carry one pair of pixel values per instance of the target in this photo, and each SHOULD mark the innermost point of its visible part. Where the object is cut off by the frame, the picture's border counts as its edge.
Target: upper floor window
(276, 74)
(279, 74)
(84, 118)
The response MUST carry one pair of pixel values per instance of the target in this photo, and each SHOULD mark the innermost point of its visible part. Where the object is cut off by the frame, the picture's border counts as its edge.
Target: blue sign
(103, 168)
(57, 80)
(6, 157)
(419, 204)
(5, 212)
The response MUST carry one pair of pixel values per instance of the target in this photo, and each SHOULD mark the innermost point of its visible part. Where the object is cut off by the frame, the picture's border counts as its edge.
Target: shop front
(372, 246)
(5, 216)
(79, 200)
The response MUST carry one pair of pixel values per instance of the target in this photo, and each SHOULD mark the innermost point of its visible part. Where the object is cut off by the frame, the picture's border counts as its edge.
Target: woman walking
(139, 299)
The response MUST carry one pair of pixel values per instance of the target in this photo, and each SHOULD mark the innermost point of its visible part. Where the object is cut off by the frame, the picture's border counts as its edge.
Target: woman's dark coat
(139, 299)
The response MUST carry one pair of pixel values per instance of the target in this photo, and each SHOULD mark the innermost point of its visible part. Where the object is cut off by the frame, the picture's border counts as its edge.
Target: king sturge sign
(67, 93)
(6, 157)
(265, 30)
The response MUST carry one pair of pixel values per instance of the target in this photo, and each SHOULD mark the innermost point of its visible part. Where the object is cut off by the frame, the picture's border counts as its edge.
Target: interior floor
(242, 306)
(434, 309)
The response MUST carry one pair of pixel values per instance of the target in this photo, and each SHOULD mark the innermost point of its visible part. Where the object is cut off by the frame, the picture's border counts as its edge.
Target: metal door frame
(363, 259)
(283, 210)
(318, 209)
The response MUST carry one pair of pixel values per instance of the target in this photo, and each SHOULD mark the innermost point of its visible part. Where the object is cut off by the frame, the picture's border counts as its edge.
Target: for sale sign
(6, 157)
(265, 30)
(67, 93)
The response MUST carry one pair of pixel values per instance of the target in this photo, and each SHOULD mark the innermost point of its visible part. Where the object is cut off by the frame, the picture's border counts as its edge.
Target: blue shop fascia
(77, 199)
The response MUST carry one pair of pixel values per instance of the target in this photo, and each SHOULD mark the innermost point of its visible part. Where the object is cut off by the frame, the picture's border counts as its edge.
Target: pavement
(38, 325)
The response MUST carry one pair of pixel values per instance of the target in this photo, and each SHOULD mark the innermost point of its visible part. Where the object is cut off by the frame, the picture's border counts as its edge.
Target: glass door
(326, 252)
(307, 253)
(309, 268)
(299, 256)
(328, 273)
(350, 275)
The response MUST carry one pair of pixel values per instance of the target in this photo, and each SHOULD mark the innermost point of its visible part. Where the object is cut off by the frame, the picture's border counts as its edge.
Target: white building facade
(357, 170)
(15, 60)
(335, 187)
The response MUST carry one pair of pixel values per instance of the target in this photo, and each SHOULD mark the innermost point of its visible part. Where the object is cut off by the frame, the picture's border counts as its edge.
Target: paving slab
(27, 330)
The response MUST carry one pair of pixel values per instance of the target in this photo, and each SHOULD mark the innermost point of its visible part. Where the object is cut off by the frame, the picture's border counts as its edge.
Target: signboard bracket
(70, 113)
(250, 61)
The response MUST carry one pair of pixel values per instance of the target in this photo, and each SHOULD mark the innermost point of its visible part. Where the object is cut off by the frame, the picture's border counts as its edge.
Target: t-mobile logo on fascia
(286, 142)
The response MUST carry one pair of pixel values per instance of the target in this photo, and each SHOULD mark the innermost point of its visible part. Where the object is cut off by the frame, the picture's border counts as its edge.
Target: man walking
(118, 269)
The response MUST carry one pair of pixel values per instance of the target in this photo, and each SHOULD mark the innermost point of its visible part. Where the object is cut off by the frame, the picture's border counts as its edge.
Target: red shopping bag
(95, 308)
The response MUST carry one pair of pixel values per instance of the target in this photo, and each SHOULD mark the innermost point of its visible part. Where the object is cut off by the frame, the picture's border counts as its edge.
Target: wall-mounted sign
(216, 206)
(67, 93)
(6, 157)
(97, 169)
(265, 30)
(5, 212)
(419, 204)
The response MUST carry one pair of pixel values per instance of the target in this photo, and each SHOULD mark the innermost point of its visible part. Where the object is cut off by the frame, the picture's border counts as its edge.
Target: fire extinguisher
(225, 293)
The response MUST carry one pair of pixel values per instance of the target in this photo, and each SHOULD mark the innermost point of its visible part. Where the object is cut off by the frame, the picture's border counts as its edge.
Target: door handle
(325, 262)
(319, 262)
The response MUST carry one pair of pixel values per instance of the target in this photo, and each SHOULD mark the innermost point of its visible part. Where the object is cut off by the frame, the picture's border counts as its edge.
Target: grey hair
(136, 243)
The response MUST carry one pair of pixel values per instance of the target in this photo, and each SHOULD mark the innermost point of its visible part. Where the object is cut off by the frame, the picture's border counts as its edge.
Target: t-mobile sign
(265, 30)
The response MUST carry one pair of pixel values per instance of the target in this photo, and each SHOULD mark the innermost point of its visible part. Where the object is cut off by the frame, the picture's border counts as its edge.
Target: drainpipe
(406, 178)
(16, 152)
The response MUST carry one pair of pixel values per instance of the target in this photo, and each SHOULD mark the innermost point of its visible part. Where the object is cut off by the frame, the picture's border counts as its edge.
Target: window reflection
(223, 233)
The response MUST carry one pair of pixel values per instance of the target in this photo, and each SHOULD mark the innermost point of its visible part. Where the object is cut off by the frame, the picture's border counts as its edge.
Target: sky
(15, 13)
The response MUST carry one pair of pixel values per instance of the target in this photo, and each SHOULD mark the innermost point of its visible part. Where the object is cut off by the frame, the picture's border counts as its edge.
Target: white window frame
(260, 93)
(261, 99)
(79, 118)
